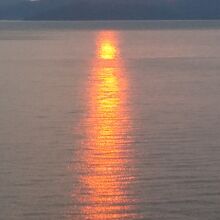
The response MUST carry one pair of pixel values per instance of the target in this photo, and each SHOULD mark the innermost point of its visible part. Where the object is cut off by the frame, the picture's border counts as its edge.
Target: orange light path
(106, 148)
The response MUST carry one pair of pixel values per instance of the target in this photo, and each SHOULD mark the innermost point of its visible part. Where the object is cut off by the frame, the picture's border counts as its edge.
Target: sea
(110, 120)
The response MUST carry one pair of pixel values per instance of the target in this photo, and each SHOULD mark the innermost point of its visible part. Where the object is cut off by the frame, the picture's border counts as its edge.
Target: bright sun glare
(108, 51)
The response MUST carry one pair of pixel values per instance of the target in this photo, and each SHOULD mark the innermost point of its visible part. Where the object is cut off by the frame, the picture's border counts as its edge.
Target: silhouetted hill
(112, 9)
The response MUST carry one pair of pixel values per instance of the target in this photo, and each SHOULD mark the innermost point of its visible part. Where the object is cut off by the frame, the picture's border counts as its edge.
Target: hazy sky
(2, 2)
(163, 9)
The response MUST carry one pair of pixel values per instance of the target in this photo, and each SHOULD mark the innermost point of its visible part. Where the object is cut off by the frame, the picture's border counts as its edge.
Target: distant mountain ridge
(112, 10)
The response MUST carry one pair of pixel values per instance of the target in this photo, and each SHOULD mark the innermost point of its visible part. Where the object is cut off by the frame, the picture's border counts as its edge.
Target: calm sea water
(110, 120)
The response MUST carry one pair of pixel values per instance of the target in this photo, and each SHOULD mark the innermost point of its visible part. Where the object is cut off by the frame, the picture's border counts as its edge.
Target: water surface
(110, 120)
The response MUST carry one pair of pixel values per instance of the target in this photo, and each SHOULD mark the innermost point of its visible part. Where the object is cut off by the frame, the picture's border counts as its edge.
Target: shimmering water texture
(110, 120)
(107, 161)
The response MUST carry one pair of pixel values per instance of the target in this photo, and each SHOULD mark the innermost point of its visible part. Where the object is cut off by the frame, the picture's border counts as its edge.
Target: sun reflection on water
(107, 165)
(107, 50)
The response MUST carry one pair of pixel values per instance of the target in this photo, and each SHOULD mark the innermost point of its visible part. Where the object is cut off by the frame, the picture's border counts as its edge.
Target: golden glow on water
(107, 51)
(106, 173)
